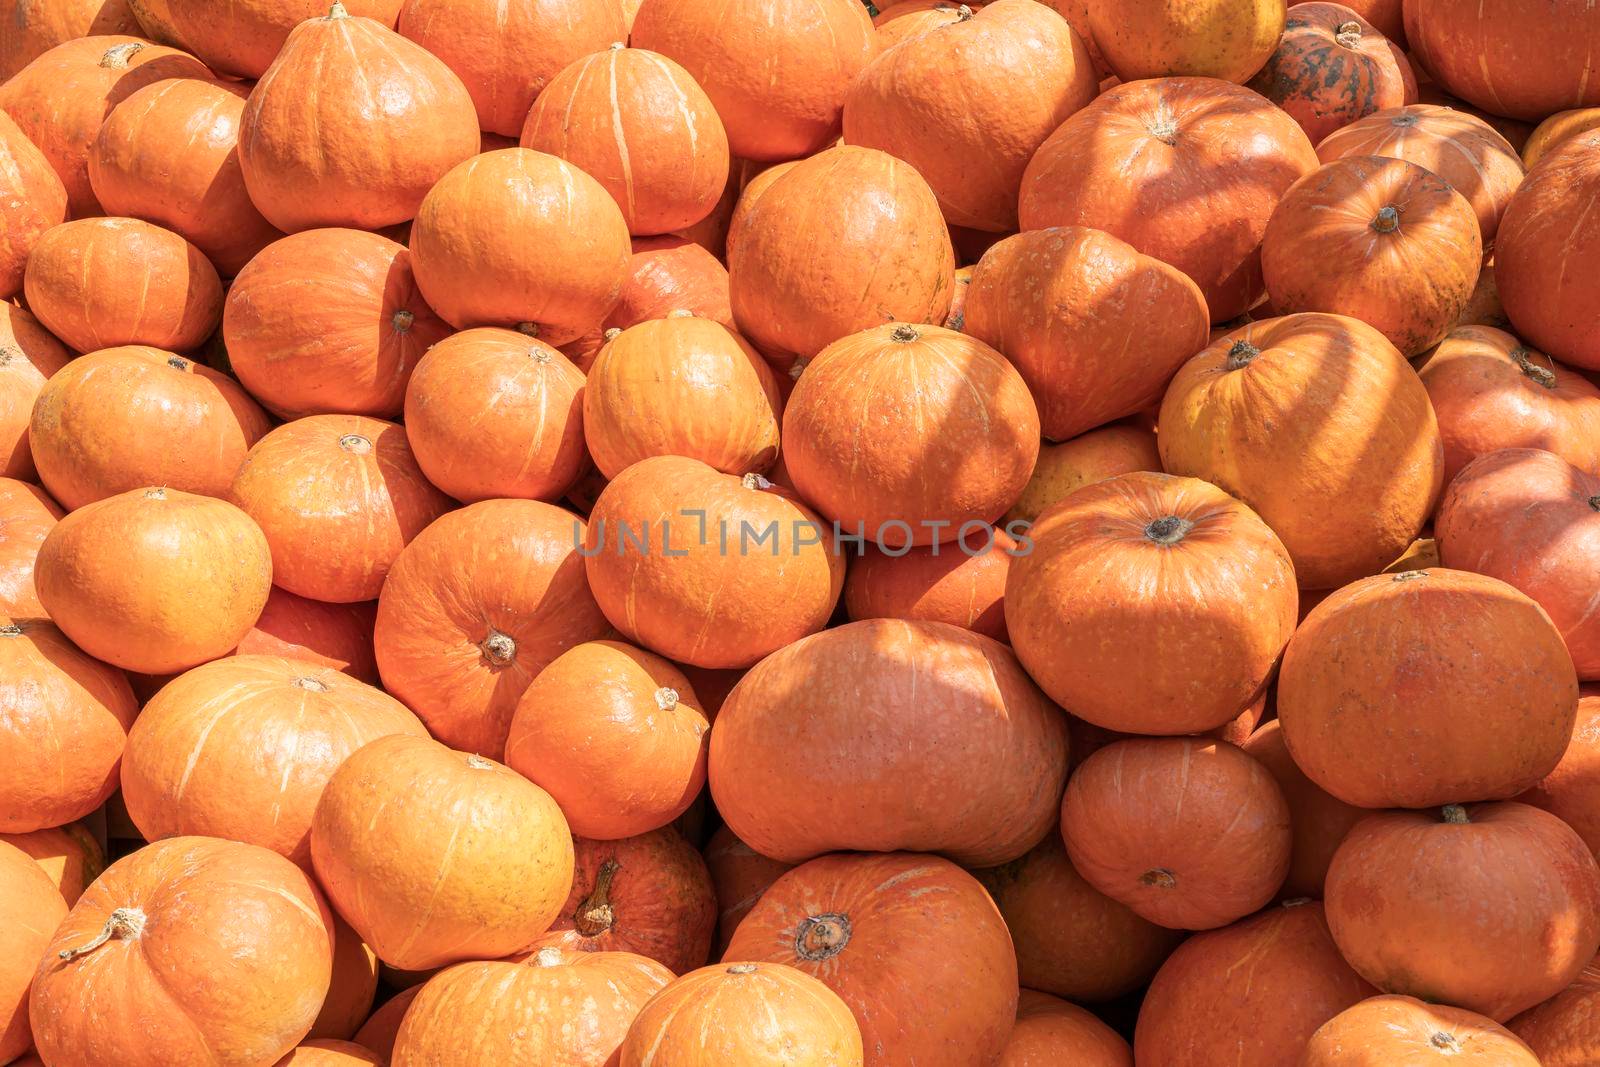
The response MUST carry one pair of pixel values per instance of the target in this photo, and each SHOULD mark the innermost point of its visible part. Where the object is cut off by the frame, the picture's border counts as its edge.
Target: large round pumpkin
(30, 910)
(1333, 67)
(739, 874)
(70, 855)
(1570, 791)
(1557, 130)
(34, 27)
(962, 583)
(903, 19)
(1119, 448)
(191, 950)
(1319, 820)
(1409, 893)
(1183, 169)
(32, 200)
(26, 516)
(845, 240)
(248, 35)
(29, 354)
(1404, 1032)
(1227, 39)
(351, 126)
(1146, 563)
(1318, 424)
(911, 943)
(155, 580)
(1051, 1031)
(1564, 1031)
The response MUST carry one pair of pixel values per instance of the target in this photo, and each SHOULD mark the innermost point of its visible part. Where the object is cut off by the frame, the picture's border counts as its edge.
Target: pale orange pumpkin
(245, 39)
(32, 200)
(1119, 448)
(740, 875)
(1563, 1031)
(35, 26)
(665, 274)
(29, 354)
(30, 910)
(351, 988)
(71, 856)
(1557, 129)
(26, 515)
(1394, 1031)
(962, 583)
(1319, 819)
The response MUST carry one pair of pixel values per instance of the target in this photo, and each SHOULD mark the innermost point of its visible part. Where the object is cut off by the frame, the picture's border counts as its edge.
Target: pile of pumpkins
(579, 533)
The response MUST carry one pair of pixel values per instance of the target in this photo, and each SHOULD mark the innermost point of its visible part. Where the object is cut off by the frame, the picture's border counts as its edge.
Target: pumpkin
(777, 75)
(122, 418)
(665, 274)
(1071, 939)
(190, 950)
(387, 841)
(103, 282)
(1051, 1031)
(668, 530)
(61, 97)
(338, 497)
(244, 41)
(711, 232)
(326, 1053)
(155, 580)
(383, 1025)
(519, 238)
(29, 355)
(641, 125)
(461, 632)
(1404, 1032)
(1457, 146)
(908, 434)
(973, 155)
(900, 21)
(557, 1007)
(329, 322)
(1544, 242)
(327, 635)
(1068, 305)
(1065, 467)
(1333, 67)
(1380, 240)
(911, 943)
(616, 735)
(495, 413)
(1249, 411)
(1513, 885)
(30, 908)
(32, 201)
(963, 583)
(26, 516)
(1145, 561)
(1190, 834)
(69, 855)
(1319, 820)
(351, 988)
(1426, 687)
(1556, 130)
(739, 874)
(1567, 791)
(1186, 170)
(744, 1013)
(863, 736)
(351, 126)
(36, 26)
(848, 239)
(1562, 1030)
(1226, 39)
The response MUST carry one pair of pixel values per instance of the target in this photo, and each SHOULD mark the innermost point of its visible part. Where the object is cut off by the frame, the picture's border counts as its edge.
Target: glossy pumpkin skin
(1118, 448)
(1190, 834)
(1186, 170)
(31, 908)
(1465, 691)
(1562, 1031)
(1380, 240)
(848, 239)
(1569, 791)
(170, 909)
(832, 709)
(1051, 1031)
(1318, 819)
(244, 41)
(351, 126)
(665, 274)
(1396, 1031)
(70, 856)
(1514, 884)
(29, 354)
(740, 875)
(900, 938)
(32, 200)
(963, 583)
(155, 580)
(329, 322)
(26, 515)
(1333, 67)
(461, 632)
(435, 856)
(1244, 413)
(1226, 39)
(1150, 561)
(1557, 130)
(36, 26)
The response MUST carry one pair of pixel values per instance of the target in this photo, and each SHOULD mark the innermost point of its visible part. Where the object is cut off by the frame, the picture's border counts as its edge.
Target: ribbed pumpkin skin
(32, 200)
(961, 584)
(1557, 130)
(1478, 676)
(1051, 1031)
(744, 1013)
(1149, 561)
(615, 734)
(1319, 820)
(777, 74)
(1402, 1032)
(1570, 790)
(973, 155)
(31, 908)
(515, 237)
(1564, 1031)
(60, 99)
(102, 282)
(1245, 413)
(26, 515)
(848, 239)
(1516, 886)
(155, 580)
(66, 719)
(740, 875)
(29, 355)
(561, 1008)
(1118, 448)
(36, 26)
(122, 418)
(69, 855)
(247, 37)
(1226, 39)
(853, 711)
(435, 856)
(241, 748)
(1380, 240)
(351, 126)
(911, 943)
(229, 967)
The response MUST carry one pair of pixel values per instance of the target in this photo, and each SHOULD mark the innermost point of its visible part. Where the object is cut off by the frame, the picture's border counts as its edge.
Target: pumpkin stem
(797, 368)
(1165, 128)
(156, 494)
(612, 334)
(1387, 219)
(1159, 877)
(1410, 576)
(547, 957)
(1443, 1040)
(1297, 902)
(595, 915)
(680, 313)
(1348, 34)
(337, 11)
(1541, 375)
(402, 321)
(313, 684)
(1454, 814)
(742, 968)
(617, 46)
(478, 763)
(822, 937)
(178, 363)
(1241, 354)
(10, 629)
(963, 13)
(118, 56)
(538, 355)
(355, 443)
(666, 698)
(7, 354)
(1594, 503)
(124, 922)
(498, 648)
(1404, 120)
(904, 334)
(529, 329)
(755, 481)
(1168, 530)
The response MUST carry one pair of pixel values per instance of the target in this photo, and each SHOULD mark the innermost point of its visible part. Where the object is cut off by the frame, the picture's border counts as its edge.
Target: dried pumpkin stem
(1454, 814)
(498, 648)
(1442, 1040)
(1387, 220)
(123, 922)
(1160, 878)
(1594, 503)
(666, 698)
(1348, 34)
(337, 11)
(1241, 354)
(402, 321)
(1168, 530)
(1541, 375)
(904, 334)
(963, 13)
(595, 915)
(822, 937)
(119, 56)
(742, 968)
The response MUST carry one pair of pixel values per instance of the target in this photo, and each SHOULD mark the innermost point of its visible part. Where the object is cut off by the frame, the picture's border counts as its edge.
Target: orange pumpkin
(244, 40)
(1569, 791)
(326, 1053)
(26, 516)
(461, 632)
(1226, 39)
(1513, 885)
(383, 1025)
(387, 841)
(138, 974)
(32, 200)
(963, 583)
(1403, 1032)
(739, 874)
(616, 735)
(1319, 820)
(1558, 129)
(848, 239)
(29, 355)
(1333, 67)
(1250, 412)
(70, 855)
(328, 635)
(973, 155)
(895, 716)
(1149, 561)
(1562, 1031)
(155, 580)
(329, 322)
(351, 988)
(1186, 170)
(34, 28)
(912, 944)
(1189, 834)
(905, 19)
(30, 909)
(665, 274)
(1062, 469)
(1051, 1031)
(351, 126)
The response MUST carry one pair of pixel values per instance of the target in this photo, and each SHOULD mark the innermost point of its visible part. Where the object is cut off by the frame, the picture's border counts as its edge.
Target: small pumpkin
(1396, 1031)
(70, 855)
(739, 874)
(383, 1025)
(30, 909)
(1569, 791)
(26, 515)
(35, 28)
(29, 355)
(244, 40)
(351, 988)
(330, 1053)
(1051, 1031)
(1558, 129)
(1226, 39)
(32, 201)
(962, 583)
(1318, 819)
(665, 274)
(311, 631)
(1063, 468)
(1562, 1031)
